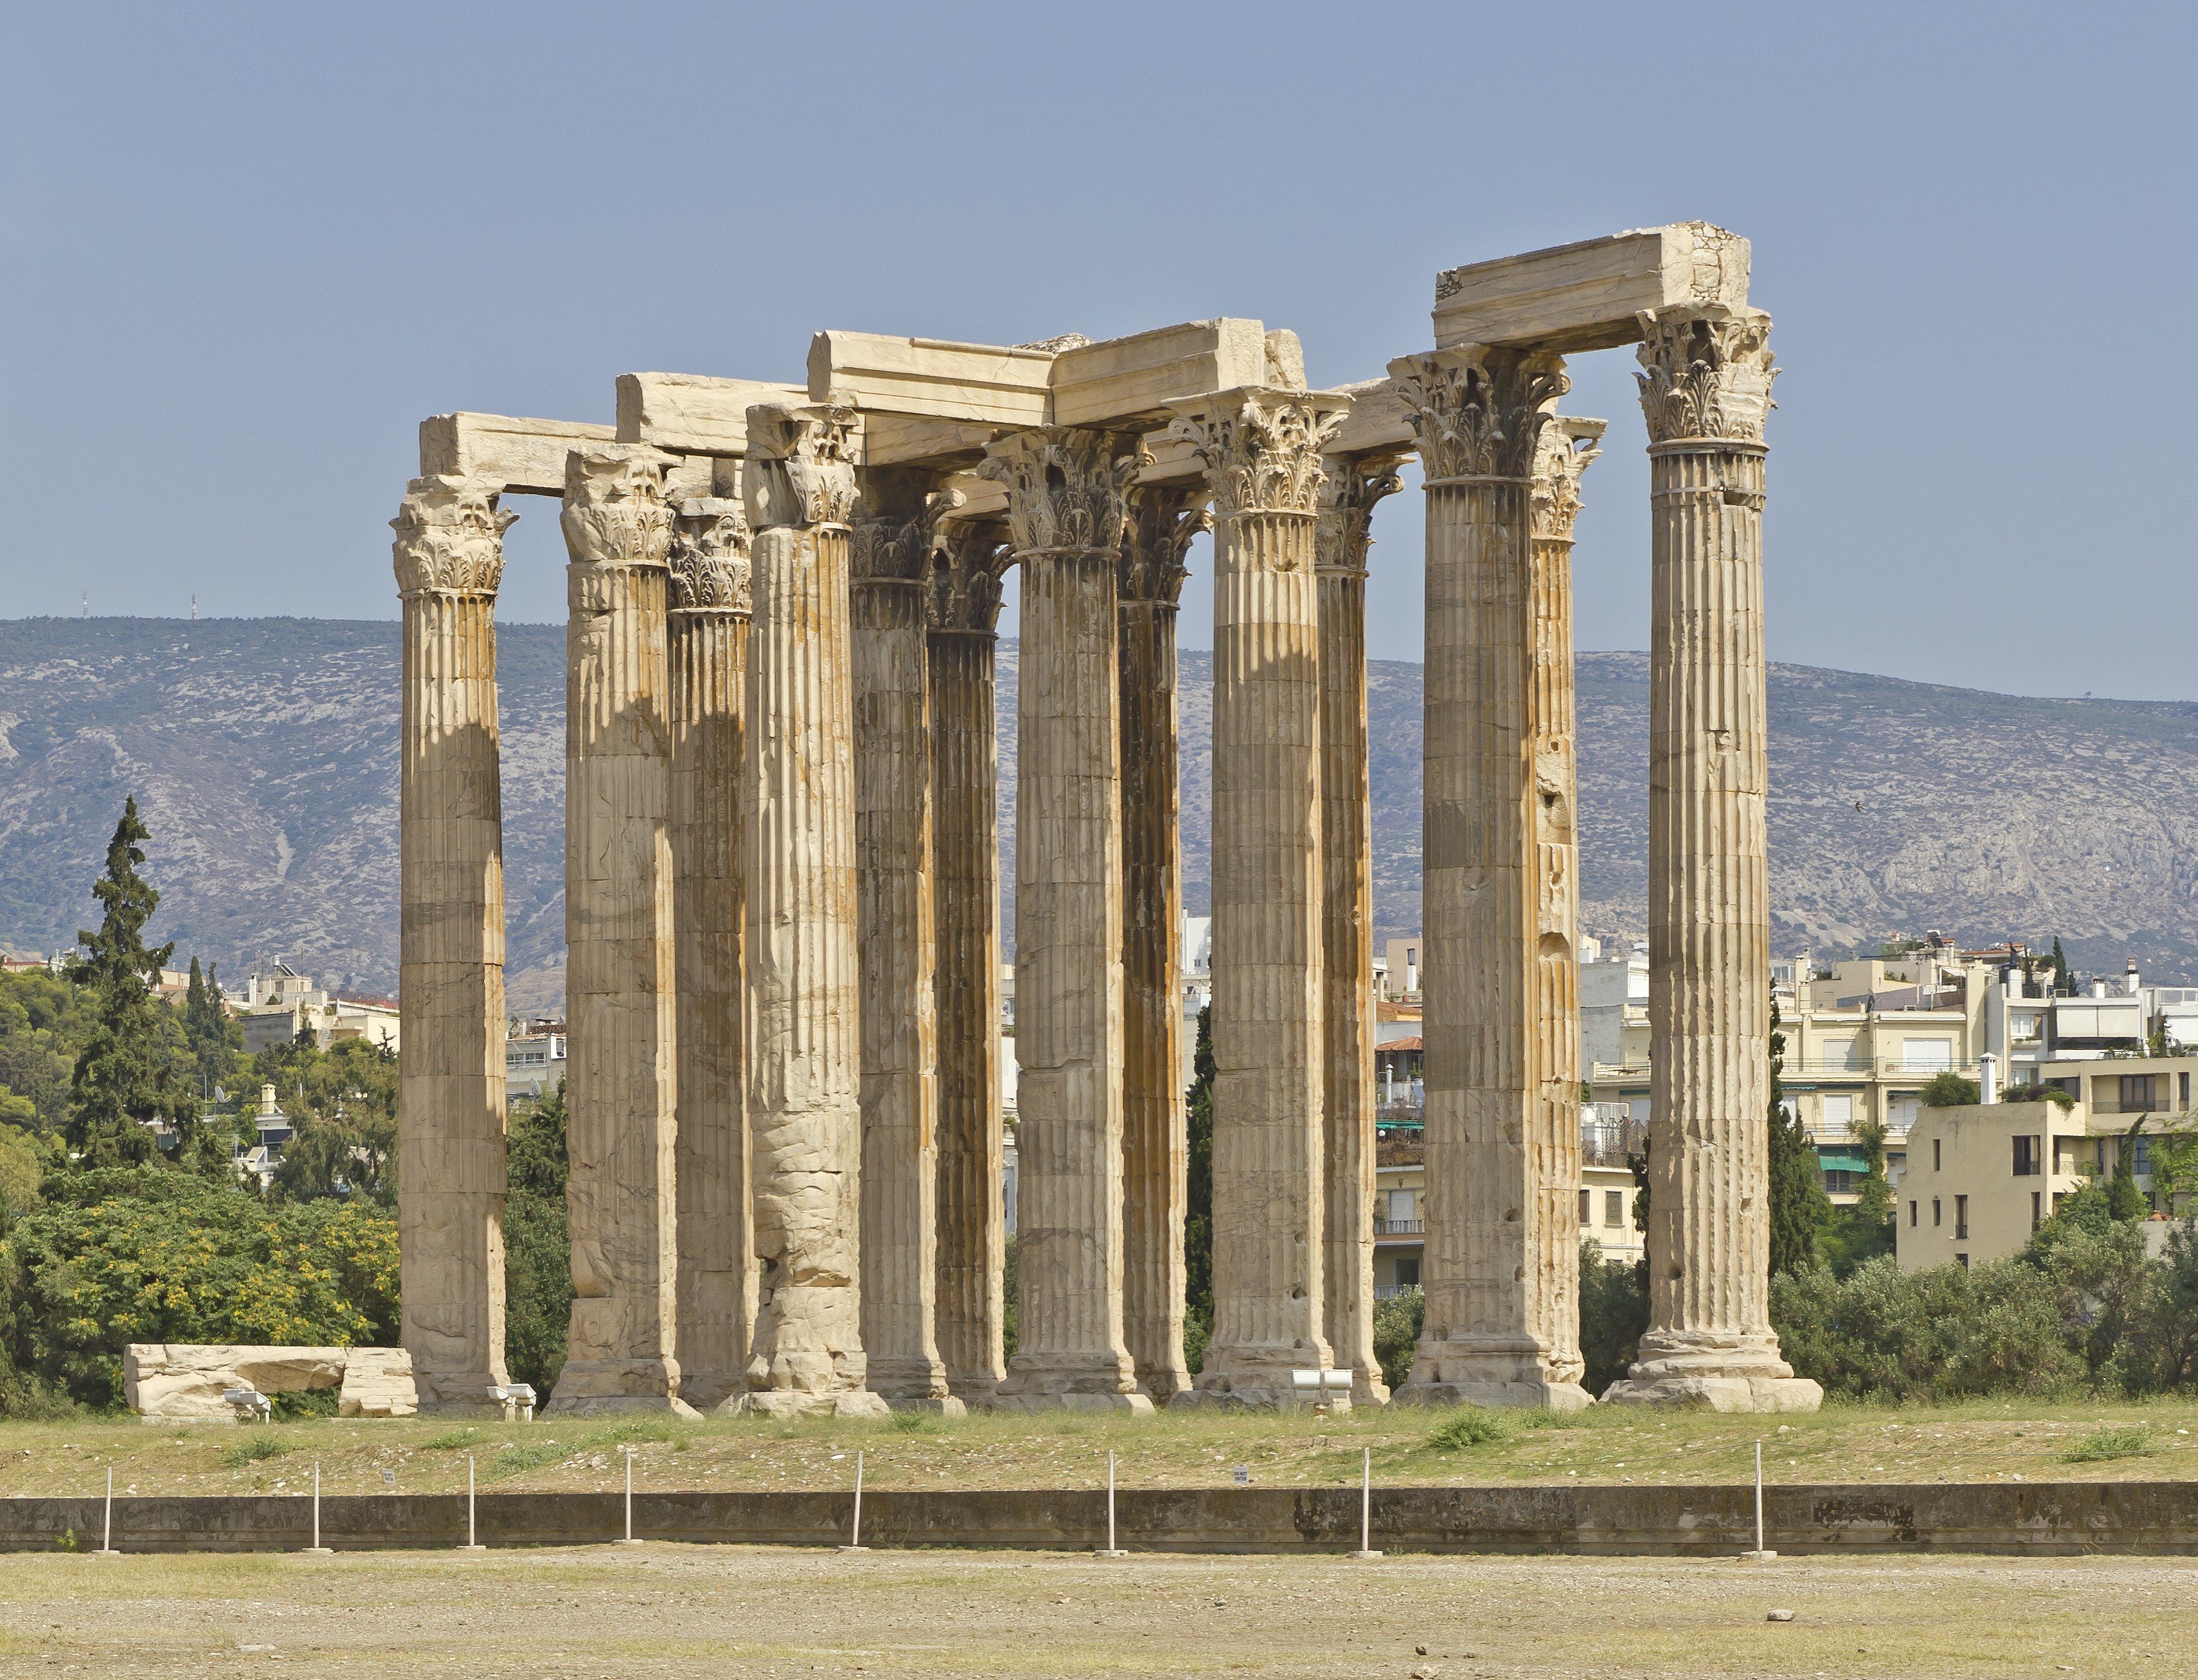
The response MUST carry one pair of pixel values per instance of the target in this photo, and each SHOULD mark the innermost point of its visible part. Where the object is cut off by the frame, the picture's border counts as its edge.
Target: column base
(458, 1394)
(1131, 1404)
(909, 1384)
(611, 1387)
(1556, 1397)
(1070, 1382)
(971, 1389)
(1718, 1395)
(1262, 1386)
(1370, 1392)
(618, 1405)
(707, 1392)
(787, 1403)
(1713, 1372)
(1161, 1386)
(938, 1405)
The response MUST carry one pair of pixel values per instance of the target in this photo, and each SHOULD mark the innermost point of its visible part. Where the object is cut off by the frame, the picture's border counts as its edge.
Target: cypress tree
(1198, 1209)
(1798, 1202)
(215, 1038)
(130, 1072)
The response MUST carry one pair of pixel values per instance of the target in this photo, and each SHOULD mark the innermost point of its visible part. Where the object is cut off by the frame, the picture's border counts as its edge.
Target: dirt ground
(659, 1610)
(1989, 1441)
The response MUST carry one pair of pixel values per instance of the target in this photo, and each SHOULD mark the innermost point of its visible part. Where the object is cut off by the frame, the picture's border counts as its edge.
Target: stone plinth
(965, 769)
(803, 1041)
(620, 1197)
(1155, 1144)
(449, 1105)
(708, 638)
(1066, 508)
(1705, 391)
(1261, 449)
(889, 584)
(1353, 485)
(1498, 1318)
(171, 1382)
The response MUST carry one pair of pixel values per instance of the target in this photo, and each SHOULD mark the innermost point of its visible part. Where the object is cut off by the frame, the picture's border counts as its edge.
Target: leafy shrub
(253, 1447)
(1397, 1323)
(1614, 1312)
(2127, 1440)
(1473, 1428)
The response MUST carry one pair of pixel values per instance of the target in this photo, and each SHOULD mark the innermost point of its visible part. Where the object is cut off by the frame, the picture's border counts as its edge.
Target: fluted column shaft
(1346, 842)
(708, 640)
(1065, 510)
(1262, 454)
(620, 993)
(1705, 392)
(1155, 1144)
(894, 931)
(805, 1124)
(1492, 1296)
(449, 1108)
(965, 769)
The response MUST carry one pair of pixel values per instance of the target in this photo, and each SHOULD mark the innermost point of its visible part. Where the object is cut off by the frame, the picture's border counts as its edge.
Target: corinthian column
(965, 770)
(1262, 453)
(1493, 1301)
(1066, 506)
(708, 636)
(620, 1196)
(893, 920)
(1354, 484)
(450, 1103)
(1705, 391)
(805, 1125)
(1156, 1145)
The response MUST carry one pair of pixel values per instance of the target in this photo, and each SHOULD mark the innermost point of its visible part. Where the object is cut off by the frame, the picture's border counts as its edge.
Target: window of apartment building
(2142, 1165)
(1926, 1055)
(1911, 1216)
(1963, 1261)
(2036, 1210)
(1844, 1053)
(2028, 1157)
(1961, 1218)
(1403, 1207)
(1587, 1197)
(2137, 1093)
(1840, 1182)
(1613, 1209)
(1936, 1210)
(1938, 1154)
(1839, 1109)
(1408, 1271)
(2183, 1092)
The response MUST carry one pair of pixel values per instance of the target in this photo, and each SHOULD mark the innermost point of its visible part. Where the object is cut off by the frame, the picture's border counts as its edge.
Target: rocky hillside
(263, 753)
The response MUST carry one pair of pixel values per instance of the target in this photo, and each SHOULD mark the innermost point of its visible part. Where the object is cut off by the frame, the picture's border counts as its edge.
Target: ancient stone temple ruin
(782, 892)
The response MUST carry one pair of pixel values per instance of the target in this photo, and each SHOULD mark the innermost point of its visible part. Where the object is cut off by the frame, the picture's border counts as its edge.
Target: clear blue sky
(243, 250)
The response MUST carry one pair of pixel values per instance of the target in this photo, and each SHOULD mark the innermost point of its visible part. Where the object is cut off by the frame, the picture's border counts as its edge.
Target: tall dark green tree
(1873, 1199)
(1198, 1201)
(2061, 983)
(216, 1039)
(131, 1070)
(2124, 1201)
(538, 1256)
(1798, 1202)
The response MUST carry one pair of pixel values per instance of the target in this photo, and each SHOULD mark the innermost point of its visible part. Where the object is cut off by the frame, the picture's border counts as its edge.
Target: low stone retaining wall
(2042, 1519)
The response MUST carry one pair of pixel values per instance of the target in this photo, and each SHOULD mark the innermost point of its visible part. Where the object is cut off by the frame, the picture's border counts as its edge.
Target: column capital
(971, 558)
(1342, 533)
(450, 537)
(1261, 446)
(1067, 486)
(1567, 443)
(1707, 374)
(1163, 519)
(1477, 410)
(614, 513)
(897, 510)
(710, 557)
(800, 468)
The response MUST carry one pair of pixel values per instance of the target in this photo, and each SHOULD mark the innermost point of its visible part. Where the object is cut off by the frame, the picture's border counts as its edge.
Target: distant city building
(280, 1003)
(534, 1059)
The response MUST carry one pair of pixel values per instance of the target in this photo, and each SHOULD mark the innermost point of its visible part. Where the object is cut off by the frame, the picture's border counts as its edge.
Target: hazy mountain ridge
(263, 753)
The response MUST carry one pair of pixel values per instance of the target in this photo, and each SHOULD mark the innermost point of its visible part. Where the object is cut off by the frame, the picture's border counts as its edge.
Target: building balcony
(1399, 1227)
(1389, 1292)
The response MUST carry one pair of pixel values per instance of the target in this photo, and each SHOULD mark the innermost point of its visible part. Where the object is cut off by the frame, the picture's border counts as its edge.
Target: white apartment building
(280, 1003)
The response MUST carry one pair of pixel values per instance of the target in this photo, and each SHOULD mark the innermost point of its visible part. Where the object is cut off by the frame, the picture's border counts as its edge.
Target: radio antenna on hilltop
(195, 609)
(87, 603)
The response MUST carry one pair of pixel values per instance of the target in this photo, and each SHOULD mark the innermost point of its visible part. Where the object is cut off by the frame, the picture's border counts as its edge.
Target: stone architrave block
(693, 414)
(177, 1383)
(1124, 381)
(1000, 385)
(1378, 423)
(526, 456)
(1589, 296)
(377, 1382)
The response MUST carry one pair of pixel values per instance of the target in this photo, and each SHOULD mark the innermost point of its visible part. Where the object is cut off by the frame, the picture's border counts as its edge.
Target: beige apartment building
(1980, 1179)
(280, 1003)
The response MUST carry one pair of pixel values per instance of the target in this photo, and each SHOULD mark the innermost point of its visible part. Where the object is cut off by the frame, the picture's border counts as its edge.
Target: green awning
(1841, 1161)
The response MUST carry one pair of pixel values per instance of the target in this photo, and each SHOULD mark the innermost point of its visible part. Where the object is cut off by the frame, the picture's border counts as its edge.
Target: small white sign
(1241, 1475)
